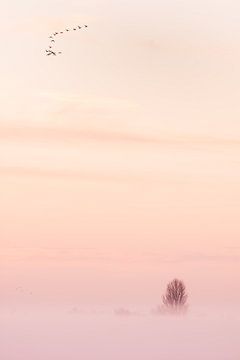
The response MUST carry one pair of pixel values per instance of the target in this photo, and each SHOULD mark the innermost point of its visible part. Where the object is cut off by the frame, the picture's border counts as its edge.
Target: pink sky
(119, 170)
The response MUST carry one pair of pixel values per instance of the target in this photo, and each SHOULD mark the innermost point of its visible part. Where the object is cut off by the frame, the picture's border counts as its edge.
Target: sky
(119, 171)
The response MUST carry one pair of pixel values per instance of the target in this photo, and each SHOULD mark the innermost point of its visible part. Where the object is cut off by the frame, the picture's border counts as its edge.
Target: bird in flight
(50, 52)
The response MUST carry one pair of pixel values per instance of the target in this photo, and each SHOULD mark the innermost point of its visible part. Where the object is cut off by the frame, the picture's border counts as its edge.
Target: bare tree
(175, 298)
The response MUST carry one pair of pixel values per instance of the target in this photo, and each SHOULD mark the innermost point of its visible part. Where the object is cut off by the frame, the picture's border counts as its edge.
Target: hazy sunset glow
(119, 170)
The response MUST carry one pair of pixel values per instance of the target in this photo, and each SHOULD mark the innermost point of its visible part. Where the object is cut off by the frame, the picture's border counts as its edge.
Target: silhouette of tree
(175, 298)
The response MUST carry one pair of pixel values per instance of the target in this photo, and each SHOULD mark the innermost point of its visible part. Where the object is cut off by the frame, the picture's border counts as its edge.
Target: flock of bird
(53, 38)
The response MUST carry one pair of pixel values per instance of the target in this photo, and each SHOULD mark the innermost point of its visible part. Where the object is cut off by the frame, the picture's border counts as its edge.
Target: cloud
(46, 24)
(89, 102)
(60, 255)
(62, 173)
(78, 255)
(192, 257)
(74, 135)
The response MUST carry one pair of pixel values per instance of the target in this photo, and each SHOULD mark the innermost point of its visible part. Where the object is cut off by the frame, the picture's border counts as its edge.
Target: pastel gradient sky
(119, 162)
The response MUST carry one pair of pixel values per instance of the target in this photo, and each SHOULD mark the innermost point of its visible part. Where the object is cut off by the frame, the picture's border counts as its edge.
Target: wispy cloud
(74, 135)
(66, 173)
(84, 255)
